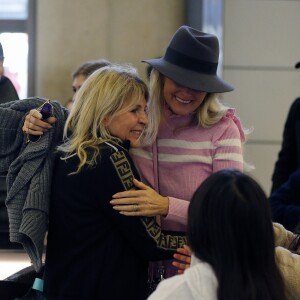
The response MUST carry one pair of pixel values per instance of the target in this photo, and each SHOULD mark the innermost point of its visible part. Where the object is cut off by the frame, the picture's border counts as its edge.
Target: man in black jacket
(289, 156)
(7, 89)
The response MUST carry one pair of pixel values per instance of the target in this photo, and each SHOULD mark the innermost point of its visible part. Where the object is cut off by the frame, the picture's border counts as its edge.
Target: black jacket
(93, 251)
(289, 156)
(285, 202)
(7, 90)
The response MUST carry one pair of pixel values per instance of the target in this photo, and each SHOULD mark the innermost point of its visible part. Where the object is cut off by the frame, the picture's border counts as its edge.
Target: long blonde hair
(109, 91)
(208, 113)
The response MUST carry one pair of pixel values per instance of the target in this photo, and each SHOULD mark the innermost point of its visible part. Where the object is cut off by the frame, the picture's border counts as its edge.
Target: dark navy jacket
(285, 202)
(289, 155)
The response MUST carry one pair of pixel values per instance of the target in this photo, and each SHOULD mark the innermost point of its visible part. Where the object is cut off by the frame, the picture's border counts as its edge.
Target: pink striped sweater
(185, 158)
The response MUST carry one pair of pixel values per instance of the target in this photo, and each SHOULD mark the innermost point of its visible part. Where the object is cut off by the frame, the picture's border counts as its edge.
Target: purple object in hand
(46, 110)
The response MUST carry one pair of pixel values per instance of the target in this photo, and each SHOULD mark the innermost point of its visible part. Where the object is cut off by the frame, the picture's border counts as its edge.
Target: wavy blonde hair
(207, 114)
(108, 92)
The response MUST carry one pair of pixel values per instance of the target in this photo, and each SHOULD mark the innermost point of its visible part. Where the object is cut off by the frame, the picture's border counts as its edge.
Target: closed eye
(139, 109)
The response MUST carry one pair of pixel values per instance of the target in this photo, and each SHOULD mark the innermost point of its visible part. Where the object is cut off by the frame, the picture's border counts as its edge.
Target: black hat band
(187, 62)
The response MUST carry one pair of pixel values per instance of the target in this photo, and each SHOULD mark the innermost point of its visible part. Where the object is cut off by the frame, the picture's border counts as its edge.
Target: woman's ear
(106, 121)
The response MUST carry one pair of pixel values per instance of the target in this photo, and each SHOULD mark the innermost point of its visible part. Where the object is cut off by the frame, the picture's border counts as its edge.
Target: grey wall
(261, 47)
(72, 31)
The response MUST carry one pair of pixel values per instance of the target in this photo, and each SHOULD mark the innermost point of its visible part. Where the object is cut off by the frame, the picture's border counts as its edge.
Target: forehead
(141, 101)
(79, 80)
(135, 101)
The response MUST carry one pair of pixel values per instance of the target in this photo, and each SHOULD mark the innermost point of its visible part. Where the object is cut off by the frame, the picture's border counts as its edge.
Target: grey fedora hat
(191, 59)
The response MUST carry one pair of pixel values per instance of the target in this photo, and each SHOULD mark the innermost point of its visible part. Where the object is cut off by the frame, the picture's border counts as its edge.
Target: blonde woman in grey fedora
(193, 133)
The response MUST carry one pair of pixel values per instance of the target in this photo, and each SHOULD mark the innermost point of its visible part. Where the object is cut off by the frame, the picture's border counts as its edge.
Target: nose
(188, 90)
(143, 118)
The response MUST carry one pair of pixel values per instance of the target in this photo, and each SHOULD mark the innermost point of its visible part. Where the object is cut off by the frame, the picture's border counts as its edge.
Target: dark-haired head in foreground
(229, 227)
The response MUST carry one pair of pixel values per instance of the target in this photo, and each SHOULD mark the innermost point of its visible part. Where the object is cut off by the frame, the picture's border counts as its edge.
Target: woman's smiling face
(130, 124)
(182, 100)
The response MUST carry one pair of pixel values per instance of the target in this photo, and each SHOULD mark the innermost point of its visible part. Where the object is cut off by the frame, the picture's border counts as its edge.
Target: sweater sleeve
(11, 135)
(283, 237)
(289, 266)
(178, 209)
(228, 140)
(28, 168)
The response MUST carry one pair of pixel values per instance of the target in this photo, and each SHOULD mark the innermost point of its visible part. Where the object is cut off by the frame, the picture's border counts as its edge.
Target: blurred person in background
(288, 160)
(82, 72)
(7, 89)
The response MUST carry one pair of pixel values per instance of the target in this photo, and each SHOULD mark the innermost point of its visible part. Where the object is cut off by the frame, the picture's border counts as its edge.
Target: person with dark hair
(7, 89)
(288, 159)
(231, 236)
(287, 257)
(82, 72)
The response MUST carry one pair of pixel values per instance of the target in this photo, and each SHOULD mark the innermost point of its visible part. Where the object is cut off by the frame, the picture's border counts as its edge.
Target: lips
(182, 100)
(137, 132)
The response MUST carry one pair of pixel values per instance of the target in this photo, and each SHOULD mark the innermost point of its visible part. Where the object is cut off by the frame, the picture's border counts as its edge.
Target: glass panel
(213, 23)
(15, 49)
(14, 9)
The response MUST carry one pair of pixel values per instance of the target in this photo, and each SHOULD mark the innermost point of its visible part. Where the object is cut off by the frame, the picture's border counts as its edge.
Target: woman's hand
(141, 202)
(34, 124)
(183, 259)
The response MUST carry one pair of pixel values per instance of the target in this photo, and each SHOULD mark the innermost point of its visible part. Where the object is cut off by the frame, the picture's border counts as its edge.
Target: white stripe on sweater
(196, 145)
(185, 158)
(183, 144)
(230, 156)
(172, 157)
(230, 142)
(167, 157)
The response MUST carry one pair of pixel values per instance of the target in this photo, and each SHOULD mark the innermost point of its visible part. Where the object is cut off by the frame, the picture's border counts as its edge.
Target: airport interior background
(44, 41)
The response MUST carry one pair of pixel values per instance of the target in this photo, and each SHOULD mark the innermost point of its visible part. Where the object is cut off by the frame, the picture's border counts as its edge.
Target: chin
(181, 113)
(135, 144)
